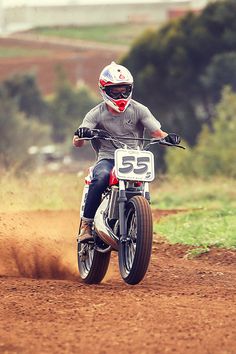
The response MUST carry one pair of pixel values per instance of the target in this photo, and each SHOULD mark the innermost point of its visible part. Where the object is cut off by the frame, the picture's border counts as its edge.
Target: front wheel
(135, 252)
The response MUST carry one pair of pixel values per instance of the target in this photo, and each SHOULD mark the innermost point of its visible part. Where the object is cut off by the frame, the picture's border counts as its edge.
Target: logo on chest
(129, 122)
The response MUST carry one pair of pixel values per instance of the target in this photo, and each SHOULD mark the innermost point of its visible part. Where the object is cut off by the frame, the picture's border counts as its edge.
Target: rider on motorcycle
(118, 115)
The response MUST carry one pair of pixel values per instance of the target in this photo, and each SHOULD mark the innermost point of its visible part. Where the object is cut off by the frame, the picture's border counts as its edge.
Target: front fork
(122, 202)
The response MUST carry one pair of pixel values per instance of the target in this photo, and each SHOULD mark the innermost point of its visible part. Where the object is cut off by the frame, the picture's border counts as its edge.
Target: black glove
(84, 133)
(172, 138)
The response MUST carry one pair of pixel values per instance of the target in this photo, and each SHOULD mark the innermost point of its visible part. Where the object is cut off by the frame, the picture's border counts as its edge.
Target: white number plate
(134, 165)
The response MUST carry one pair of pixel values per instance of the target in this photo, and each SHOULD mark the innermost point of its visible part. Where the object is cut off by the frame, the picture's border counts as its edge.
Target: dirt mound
(182, 306)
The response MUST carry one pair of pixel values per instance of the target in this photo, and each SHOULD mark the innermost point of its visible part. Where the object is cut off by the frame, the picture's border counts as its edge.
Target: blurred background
(182, 55)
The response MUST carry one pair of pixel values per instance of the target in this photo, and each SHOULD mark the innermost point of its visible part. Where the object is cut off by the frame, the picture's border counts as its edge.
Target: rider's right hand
(84, 133)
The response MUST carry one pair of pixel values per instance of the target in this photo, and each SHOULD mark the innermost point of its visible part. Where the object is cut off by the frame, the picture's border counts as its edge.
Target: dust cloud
(37, 246)
(36, 262)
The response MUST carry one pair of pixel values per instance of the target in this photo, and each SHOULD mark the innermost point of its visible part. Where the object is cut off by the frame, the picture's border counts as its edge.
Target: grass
(123, 34)
(195, 252)
(40, 192)
(203, 228)
(182, 193)
(19, 52)
(209, 216)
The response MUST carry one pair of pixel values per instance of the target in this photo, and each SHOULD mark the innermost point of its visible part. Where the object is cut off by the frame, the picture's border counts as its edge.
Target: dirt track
(182, 306)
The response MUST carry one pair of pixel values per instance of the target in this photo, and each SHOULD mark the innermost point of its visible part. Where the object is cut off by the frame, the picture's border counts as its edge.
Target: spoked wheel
(135, 252)
(92, 263)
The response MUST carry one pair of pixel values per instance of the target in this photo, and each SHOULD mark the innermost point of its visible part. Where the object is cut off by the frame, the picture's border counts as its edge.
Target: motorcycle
(123, 221)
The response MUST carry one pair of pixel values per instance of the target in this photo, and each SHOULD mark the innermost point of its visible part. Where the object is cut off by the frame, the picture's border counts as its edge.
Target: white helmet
(112, 77)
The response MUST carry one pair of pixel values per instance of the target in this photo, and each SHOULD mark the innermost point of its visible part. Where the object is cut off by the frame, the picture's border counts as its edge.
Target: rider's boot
(86, 231)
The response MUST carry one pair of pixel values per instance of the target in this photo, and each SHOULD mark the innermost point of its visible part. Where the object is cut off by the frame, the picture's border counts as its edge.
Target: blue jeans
(100, 182)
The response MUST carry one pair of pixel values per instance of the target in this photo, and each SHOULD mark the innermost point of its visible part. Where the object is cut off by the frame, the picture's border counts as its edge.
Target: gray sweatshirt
(128, 124)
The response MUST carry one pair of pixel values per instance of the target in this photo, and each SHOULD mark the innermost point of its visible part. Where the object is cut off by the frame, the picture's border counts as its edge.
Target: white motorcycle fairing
(101, 226)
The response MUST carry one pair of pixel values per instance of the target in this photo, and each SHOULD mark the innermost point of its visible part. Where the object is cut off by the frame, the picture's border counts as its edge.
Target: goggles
(118, 91)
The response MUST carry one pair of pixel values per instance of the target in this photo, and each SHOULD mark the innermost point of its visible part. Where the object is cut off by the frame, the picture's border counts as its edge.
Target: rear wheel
(92, 264)
(135, 252)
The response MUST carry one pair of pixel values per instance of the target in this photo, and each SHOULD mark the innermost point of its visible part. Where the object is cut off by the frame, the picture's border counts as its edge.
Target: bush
(17, 134)
(26, 118)
(214, 153)
(67, 109)
(23, 89)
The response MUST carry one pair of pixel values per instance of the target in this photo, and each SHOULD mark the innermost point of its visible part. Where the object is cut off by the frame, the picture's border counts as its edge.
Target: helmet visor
(118, 91)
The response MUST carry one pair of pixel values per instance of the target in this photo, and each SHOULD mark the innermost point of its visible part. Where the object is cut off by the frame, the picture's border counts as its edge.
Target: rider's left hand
(173, 138)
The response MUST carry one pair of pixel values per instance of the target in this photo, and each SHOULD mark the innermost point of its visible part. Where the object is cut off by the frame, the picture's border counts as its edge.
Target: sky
(10, 3)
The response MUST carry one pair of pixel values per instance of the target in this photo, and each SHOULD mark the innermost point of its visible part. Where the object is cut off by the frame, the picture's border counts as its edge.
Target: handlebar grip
(92, 132)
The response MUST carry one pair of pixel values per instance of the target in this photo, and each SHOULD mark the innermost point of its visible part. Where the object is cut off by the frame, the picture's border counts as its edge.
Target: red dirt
(182, 306)
(81, 65)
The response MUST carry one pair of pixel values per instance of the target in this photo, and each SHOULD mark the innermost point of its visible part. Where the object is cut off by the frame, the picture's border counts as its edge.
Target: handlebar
(102, 134)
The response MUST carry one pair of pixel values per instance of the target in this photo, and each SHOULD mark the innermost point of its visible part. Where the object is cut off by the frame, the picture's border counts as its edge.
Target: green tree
(17, 134)
(214, 153)
(67, 109)
(169, 64)
(25, 92)
(220, 72)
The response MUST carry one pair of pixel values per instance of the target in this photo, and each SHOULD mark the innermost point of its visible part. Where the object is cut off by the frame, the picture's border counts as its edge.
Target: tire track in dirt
(182, 306)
